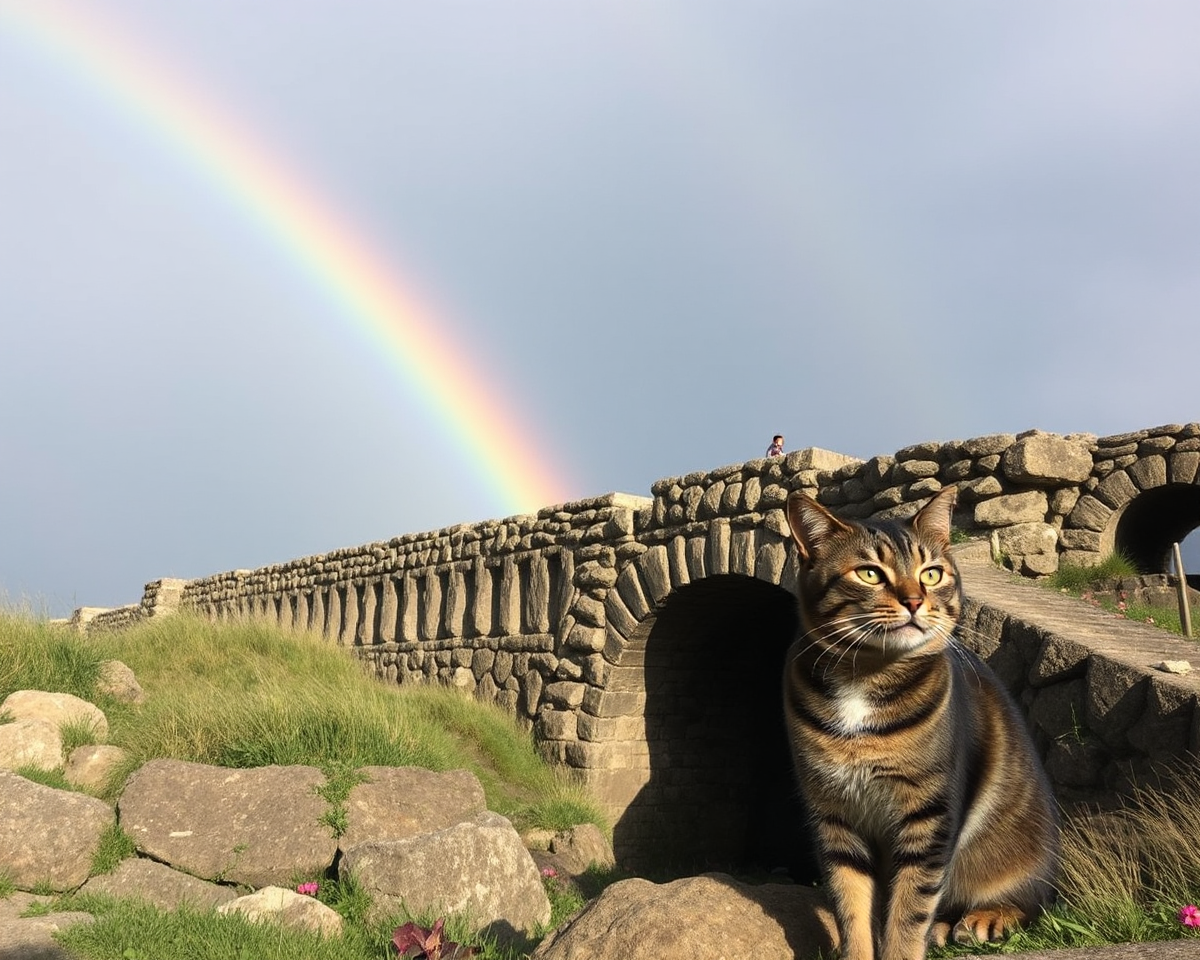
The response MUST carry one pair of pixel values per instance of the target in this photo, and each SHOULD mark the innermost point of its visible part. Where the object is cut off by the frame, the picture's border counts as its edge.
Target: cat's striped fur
(932, 813)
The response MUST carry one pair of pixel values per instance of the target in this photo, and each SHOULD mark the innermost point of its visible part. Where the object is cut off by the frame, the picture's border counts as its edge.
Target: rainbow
(391, 318)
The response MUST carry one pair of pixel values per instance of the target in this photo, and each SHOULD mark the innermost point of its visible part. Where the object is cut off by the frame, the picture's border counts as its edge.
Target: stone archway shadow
(1146, 527)
(721, 794)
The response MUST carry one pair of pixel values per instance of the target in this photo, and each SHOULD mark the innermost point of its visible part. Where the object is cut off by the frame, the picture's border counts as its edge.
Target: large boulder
(56, 708)
(258, 826)
(30, 743)
(399, 802)
(479, 868)
(288, 909)
(48, 836)
(158, 884)
(710, 917)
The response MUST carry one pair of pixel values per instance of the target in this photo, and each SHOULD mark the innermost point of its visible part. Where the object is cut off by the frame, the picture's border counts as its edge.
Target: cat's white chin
(907, 637)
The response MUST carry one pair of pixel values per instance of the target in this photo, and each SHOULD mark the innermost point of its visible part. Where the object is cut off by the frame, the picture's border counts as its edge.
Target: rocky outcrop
(419, 841)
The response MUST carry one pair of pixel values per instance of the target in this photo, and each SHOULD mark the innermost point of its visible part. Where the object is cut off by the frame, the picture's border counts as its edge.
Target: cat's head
(885, 587)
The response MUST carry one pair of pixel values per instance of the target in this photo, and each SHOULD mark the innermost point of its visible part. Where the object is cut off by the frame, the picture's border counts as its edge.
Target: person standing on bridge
(776, 447)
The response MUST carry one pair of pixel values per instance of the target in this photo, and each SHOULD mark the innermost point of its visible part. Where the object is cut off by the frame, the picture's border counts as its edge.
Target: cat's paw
(989, 923)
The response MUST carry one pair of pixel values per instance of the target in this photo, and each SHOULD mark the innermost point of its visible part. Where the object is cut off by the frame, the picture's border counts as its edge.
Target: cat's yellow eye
(871, 575)
(931, 576)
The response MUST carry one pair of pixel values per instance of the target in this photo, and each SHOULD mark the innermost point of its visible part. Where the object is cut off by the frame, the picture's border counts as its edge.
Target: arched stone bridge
(642, 638)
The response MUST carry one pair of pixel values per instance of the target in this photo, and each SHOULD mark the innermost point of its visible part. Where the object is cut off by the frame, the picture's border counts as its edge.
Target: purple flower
(1189, 916)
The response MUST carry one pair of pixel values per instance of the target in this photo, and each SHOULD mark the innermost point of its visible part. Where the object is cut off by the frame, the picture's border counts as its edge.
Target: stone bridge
(642, 638)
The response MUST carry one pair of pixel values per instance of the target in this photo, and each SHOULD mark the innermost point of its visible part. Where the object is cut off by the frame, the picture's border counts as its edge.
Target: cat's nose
(912, 603)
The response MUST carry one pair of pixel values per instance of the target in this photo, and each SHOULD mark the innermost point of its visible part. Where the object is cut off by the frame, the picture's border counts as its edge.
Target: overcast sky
(661, 231)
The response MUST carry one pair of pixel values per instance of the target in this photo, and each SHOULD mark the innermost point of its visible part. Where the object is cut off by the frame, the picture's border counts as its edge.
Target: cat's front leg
(850, 873)
(853, 894)
(916, 889)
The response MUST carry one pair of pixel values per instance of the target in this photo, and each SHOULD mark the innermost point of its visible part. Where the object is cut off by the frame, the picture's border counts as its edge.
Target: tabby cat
(932, 815)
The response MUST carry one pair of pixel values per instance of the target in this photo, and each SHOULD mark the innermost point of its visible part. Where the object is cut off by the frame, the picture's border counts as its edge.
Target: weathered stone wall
(558, 615)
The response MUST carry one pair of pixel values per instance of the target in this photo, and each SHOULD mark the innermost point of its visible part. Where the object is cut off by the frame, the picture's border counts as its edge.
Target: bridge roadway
(1138, 645)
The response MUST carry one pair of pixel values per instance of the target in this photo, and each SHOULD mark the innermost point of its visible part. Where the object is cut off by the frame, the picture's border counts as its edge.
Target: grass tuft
(115, 845)
(1076, 578)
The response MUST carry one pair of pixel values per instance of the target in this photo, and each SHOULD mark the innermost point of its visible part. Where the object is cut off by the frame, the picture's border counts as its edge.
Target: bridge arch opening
(1151, 522)
(721, 793)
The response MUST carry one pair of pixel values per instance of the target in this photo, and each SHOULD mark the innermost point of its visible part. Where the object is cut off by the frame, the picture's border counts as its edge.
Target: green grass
(1077, 579)
(1125, 874)
(1082, 581)
(246, 695)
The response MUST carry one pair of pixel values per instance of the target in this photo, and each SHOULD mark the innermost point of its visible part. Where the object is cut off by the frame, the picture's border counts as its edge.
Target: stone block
(908, 470)
(1058, 659)
(617, 615)
(719, 536)
(1057, 710)
(656, 573)
(1090, 514)
(537, 597)
(1149, 472)
(600, 729)
(979, 489)
(1047, 460)
(557, 725)
(629, 587)
(677, 563)
(990, 445)
(1076, 763)
(743, 552)
(1164, 730)
(1184, 467)
(1116, 697)
(768, 565)
(564, 694)
(1116, 489)
(1027, 507)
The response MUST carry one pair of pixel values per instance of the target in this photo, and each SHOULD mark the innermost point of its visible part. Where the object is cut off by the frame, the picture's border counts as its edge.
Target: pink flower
(308, 889)
(549, 872)
(1189, 916)
(1121, 606)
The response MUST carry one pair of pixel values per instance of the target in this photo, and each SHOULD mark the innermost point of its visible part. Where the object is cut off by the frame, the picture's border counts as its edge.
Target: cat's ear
(811, 524)
(933, 519)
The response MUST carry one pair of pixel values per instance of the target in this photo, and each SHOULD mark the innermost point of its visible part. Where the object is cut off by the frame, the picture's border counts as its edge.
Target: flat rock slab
(479, 868)
(48, 836)
(258, 826)
(400, 802)
(710, 917)
(158, 884)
